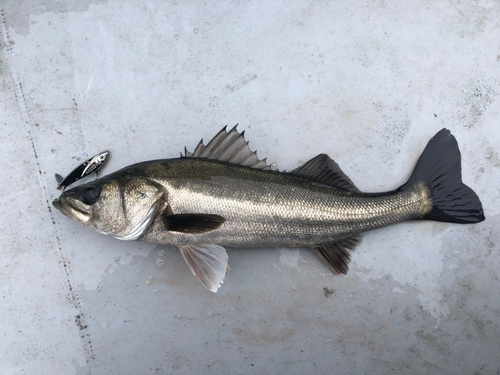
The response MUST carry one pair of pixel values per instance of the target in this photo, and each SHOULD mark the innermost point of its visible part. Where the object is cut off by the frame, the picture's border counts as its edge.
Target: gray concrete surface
(368, 82)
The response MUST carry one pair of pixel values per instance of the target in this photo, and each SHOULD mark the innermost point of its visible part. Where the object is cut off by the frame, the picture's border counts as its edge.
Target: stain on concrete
(477, 96)
(242, 82)
(327, 291)
(19, 12)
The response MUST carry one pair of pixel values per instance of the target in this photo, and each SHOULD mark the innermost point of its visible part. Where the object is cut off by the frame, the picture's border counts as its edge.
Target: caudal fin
(440, 168)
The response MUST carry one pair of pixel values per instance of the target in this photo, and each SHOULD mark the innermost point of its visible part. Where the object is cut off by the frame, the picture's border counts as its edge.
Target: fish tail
(439, 172)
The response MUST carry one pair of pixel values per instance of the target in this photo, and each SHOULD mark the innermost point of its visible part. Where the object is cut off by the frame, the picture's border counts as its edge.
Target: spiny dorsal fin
(325, 170)
(230, 147)
(336, 254)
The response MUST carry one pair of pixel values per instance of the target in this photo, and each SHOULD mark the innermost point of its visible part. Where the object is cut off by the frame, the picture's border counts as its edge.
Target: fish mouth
(74, 209)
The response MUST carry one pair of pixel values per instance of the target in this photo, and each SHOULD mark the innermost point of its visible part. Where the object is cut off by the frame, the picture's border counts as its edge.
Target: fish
(222, 195)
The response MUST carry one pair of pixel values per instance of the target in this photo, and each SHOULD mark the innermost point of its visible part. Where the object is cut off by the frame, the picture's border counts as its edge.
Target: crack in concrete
(21, 100)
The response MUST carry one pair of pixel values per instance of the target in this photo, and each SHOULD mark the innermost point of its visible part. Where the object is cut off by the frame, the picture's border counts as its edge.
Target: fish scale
(274, 209)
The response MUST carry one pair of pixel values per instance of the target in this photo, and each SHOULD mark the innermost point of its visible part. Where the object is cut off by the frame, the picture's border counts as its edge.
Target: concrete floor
(368, 82)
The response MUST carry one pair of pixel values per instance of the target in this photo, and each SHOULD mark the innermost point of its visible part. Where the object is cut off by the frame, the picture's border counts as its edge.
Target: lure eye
(90, 195)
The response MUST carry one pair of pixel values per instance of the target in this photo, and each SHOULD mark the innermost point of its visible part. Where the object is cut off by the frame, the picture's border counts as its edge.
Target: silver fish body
(267, 208)
(223, 195)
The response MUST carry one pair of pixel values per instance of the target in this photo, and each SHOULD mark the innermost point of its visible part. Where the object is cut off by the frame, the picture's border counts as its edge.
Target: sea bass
(223, 195)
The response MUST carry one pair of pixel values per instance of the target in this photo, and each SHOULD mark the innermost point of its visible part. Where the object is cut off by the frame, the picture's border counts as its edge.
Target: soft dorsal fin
(336, 255)
(230, 147)
(325, 170)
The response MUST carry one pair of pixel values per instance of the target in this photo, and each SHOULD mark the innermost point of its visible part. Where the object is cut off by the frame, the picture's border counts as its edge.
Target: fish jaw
(74, 209)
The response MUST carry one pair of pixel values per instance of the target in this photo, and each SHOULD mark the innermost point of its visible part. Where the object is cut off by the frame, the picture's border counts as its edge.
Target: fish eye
(90, 195)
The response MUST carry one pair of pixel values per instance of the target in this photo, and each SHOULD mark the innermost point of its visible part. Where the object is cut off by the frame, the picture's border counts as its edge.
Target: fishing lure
(92, 165)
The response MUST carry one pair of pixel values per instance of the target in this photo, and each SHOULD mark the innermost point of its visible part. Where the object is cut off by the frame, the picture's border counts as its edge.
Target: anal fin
(207, 262)
(336, 254)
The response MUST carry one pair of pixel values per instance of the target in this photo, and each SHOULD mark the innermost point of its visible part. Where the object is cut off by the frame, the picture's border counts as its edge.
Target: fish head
(122, 207)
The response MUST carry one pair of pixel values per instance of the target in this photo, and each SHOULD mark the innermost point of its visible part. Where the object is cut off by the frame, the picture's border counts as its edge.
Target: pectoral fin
(192, 223)
(207, 262)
